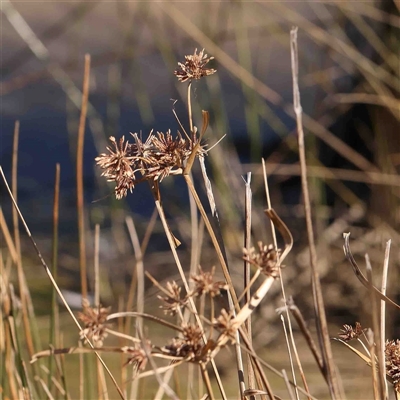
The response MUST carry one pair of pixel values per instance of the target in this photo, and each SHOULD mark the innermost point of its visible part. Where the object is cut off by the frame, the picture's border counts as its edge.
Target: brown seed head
(392, 360)
(190, 346)
(266, 258)
(193, 67)
(94, 320)
(204, 283)
(172, 302)
(350, 333)
(224, 323)
(137, 355)
(159, 156)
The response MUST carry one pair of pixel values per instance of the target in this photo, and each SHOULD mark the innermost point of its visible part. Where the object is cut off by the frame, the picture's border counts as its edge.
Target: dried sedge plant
(193, 67)
(392, 352)
(172, 301)
(204, 283)
(392, 361)
(94, 319)
(266, 259)
(127, 164)
(349, 333)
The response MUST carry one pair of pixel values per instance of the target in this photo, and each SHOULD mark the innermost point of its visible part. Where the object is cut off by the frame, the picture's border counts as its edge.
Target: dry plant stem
(298, 361)
(17, 241)
(79, 177)
(140, 290)
(218, 245)
(214, 240)
(54, 318)
(219, 240)
(306, 333)
(256, 362)
(81, 374)
(360, 275)
(195, 242)
(375, 384)
(160, 381)
(290, 358)
(185, 283)
(320, 171)
(96, 265)
(247, 276)
(7, 237)
(270, 213)
(54, 283)
(14, 188)
(149, 229)
(9, 356)
(101, 382)
(289, 388)
(139, 268)
(375, 323)
(44, 387)
(189, 100)
(206, 380)
(383, 305)
(316, 284)
(283, 292)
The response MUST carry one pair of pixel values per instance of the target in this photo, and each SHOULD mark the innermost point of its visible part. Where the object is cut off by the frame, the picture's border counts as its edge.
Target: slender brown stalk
(54, 283)
(383, 307)
(247, 277)
(172, 244)
(96, 265)
(54, 318)
(189, 99)
(8, 238)
(290, 358)
(376, 344)
(206, 380)
(214, 240)
(306, 333)
(289, 388)
(375, 384)
(140, 288)
(316, 284)
(284, 294)
(149, 229)
(17, 240)
(79, 178)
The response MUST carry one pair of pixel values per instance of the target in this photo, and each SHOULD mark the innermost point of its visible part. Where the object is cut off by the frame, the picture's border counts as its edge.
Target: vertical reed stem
(79, 177)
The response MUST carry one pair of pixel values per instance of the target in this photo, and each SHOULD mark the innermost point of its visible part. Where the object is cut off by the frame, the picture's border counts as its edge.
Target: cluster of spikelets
(189, 345)
(161, 155)
(392, 351)
(192, 344)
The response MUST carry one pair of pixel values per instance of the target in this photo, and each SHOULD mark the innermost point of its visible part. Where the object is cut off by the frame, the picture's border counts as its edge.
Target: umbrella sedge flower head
(205, 284)
(94, 319)
(172, 302)
(349, 333)
(392, 360)
(189, 345)
(266, 258)
(161, 155)
(194, 67)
